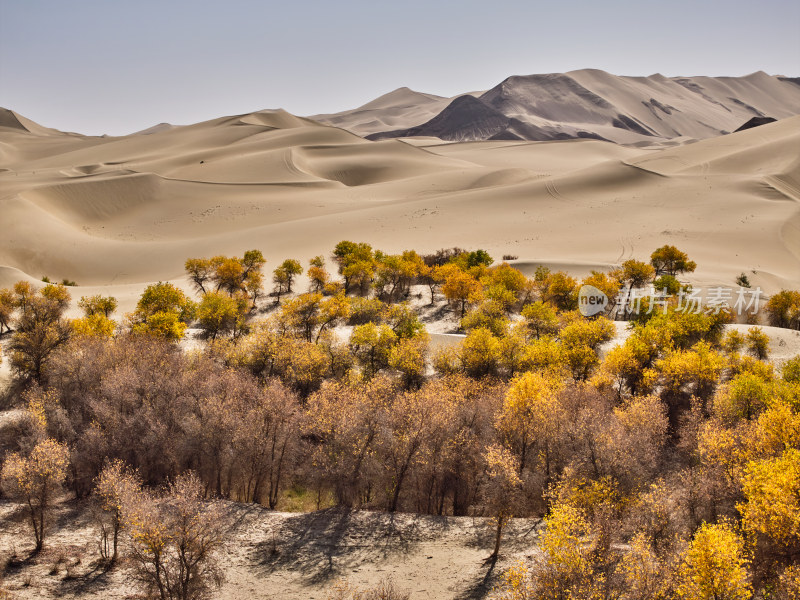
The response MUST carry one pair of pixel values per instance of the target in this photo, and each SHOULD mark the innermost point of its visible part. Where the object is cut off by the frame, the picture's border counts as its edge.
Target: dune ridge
(587, 103)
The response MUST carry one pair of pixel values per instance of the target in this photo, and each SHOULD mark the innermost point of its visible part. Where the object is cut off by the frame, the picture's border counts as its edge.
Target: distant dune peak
(399, 97)
(155, 129)
(12, 120)
(276, 118)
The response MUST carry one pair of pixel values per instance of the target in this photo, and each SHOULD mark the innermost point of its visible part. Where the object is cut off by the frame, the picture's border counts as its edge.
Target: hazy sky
(107, 66)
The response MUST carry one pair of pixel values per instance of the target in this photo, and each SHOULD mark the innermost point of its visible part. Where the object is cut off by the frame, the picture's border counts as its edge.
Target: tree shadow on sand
(97, 578)
(330, 543)
(481, 587)
(520, 535)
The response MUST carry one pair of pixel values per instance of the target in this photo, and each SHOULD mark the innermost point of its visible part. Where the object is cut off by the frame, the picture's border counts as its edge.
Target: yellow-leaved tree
(502, 490)
(174, 539)
(461, 289)
(772, 499)
(163, 311)
(408, 358)
(565, 569)
(714, 566)
(113, 486)
(220, 314)
(39, 328)
(529, 420)
(96, 321)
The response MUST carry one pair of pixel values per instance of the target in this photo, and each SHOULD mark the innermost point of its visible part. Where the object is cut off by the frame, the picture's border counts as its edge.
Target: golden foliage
(772, 498)
(714, 566)
(95, 324)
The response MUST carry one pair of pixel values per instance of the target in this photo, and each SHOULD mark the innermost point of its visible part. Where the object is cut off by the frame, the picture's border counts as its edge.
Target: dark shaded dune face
(465, 119)
(752, 109)
(506, 135)
(624, 122)
(667, 110)
(10, 120)
(756, 122)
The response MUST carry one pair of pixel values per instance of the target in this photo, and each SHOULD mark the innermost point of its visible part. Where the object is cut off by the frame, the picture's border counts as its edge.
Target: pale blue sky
(106, 66)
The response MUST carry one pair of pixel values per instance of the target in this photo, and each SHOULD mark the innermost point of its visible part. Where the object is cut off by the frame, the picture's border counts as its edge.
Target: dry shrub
(385, 590)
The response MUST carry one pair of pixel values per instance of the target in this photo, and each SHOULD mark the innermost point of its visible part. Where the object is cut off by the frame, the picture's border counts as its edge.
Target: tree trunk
(400, 477)
(497, 537)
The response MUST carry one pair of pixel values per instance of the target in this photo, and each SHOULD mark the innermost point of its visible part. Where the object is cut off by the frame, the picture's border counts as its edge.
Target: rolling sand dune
(110, 212)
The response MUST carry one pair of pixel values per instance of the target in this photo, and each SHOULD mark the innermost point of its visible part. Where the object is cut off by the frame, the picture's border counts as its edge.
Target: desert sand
(116, 213)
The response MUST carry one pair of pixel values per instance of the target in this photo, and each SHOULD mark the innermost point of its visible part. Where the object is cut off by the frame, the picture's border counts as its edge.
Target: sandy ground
(291, 556)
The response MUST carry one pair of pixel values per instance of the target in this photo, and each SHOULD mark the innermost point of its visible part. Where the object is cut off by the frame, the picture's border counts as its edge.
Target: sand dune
(767, 150)
(399, 109)
(11, 120)
(580, 104)
(116, 213)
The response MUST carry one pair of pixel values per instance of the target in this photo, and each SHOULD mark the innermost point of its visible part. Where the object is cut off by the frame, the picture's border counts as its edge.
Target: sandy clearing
(291, 556)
